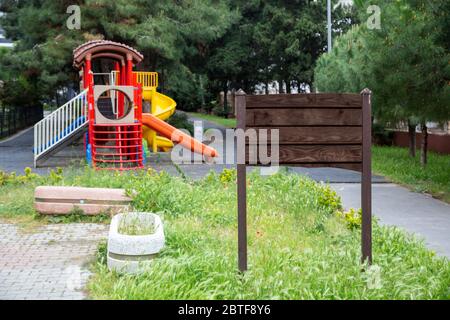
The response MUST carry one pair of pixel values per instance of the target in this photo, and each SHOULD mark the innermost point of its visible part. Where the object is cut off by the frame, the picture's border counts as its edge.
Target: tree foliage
(405, 63)
(274, 40)
(171, 34)
(199, 47)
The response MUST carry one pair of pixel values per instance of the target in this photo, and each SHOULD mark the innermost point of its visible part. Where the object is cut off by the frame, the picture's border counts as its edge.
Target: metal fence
(13, 119)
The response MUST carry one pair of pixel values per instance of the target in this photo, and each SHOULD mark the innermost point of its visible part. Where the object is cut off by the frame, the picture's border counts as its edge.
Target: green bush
(381, 136)
(180, 120)
(352, 217)
(227, 176)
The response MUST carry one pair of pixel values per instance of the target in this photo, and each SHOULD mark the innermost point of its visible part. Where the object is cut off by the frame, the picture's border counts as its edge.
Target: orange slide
(177, 136)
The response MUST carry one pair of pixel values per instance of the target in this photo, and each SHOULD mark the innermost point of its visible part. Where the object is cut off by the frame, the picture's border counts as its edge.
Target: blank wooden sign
(315, 130)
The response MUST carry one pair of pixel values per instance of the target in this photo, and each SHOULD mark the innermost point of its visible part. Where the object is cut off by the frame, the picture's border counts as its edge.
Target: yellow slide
(162, 107)
(153, 123)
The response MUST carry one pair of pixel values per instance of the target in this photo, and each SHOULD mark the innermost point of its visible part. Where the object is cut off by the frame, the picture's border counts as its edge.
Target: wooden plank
(303, 117)
(315, 135)
(354, 166)
(348, 166)
(300, 154)
(240, 105)
(320, 100)
(347, 100)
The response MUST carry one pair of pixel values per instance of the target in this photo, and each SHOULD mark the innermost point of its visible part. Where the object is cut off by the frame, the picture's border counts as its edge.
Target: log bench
(51, 200)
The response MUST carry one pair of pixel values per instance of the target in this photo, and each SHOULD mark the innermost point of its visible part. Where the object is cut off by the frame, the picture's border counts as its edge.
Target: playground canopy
(105, 49)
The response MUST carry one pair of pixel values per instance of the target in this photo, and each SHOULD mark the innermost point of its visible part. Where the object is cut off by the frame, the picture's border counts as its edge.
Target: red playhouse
(109, 112)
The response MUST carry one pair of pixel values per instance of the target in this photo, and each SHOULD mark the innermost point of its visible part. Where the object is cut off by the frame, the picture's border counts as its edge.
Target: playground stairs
(117, 147)
(63, 126)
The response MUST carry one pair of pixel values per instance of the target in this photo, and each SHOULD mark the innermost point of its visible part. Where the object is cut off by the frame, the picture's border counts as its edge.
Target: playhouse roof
(106, 49)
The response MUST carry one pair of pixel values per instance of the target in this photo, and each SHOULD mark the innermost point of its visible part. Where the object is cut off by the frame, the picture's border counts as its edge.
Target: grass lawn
(396, 164)
(300, 247)
(228, 123)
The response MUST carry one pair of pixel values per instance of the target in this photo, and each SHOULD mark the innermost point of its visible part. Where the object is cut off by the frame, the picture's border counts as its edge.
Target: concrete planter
(130, 253)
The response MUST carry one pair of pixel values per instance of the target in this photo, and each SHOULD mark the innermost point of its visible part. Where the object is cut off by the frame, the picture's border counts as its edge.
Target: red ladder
(117, 147)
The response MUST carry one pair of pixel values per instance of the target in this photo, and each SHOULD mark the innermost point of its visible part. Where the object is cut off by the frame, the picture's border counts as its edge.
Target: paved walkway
(16, 153)
(394, 205)
(50, 263)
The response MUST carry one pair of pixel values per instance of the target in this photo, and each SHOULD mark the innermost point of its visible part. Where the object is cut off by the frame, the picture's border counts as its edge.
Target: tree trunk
(280, 86)
(288, 86)
(161, 81)
(202, 92)
(225, 98)
(57, 99)
(424, 146)
(267, 87)
(412, 139)
(153, 61)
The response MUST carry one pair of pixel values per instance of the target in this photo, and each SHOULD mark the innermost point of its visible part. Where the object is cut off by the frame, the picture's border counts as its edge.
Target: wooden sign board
(315, 130)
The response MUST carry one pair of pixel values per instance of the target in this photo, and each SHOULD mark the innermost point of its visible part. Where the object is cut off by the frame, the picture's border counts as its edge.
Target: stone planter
(133, 253)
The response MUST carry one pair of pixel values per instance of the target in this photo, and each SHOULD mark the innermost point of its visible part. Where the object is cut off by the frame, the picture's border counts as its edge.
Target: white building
(3, 41)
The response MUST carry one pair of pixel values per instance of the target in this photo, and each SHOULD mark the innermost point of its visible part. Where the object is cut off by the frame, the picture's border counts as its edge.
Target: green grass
(132, 225)
(300, 247)
(396, 164)
(228, 123)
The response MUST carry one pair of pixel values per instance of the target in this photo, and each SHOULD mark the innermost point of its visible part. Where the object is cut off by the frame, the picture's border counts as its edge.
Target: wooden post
(240, 105)
(366, 178)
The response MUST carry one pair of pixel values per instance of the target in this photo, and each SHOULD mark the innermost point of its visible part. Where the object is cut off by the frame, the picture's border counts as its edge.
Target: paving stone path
(51, 262)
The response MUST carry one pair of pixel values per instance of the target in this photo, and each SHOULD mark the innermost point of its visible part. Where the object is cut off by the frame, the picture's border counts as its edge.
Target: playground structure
(109, 112)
